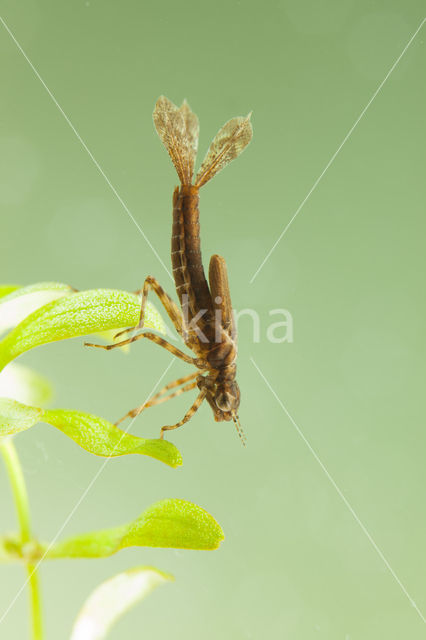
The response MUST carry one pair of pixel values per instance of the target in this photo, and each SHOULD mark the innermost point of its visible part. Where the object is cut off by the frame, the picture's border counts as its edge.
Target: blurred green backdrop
(295, 563)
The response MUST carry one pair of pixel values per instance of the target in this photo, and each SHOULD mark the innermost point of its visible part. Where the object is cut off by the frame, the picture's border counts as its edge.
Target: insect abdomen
(188, 270)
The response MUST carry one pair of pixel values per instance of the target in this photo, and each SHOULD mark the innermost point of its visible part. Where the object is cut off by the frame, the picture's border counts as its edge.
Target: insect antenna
(239, 429)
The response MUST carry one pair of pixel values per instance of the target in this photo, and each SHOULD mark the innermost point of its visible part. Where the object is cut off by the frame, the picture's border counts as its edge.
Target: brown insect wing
(227, 145)
(178, 130)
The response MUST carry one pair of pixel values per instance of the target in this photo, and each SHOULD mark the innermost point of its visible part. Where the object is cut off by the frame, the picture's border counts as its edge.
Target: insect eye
(223, 401)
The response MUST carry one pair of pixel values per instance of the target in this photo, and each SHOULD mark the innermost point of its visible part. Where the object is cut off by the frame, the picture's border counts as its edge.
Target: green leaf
(11, 549)
(16, 291)
(5, 289)
(100, 437)
(21, 301)
(5, 555)
(16, 417)
(94, 434)
(111, 599)
(80, 314)
(25, 385)
(4, 551)
(176, 524)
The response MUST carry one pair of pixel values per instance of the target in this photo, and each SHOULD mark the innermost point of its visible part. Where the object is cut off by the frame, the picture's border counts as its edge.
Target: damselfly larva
(205, 318)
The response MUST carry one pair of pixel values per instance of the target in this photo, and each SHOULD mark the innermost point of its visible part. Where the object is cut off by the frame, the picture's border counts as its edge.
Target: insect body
(204, 319)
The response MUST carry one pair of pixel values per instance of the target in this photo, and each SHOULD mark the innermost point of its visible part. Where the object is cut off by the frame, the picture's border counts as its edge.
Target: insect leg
(170, 306)
(188, 415)
(175, 383)
(135, 412)
(154, 338)
(159, 397)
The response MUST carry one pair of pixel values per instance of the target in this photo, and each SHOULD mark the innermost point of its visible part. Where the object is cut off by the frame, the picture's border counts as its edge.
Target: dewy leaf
(94, 434)
(25, 385)
(111, 599)
(80, 314)
(176, 524)
(15, 417)
(100, 437)
(21, 301)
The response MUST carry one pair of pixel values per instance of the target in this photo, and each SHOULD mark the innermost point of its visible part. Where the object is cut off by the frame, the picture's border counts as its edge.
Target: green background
(295, 563)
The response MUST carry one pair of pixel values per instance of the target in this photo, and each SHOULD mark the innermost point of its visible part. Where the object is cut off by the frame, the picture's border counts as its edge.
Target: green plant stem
(19, 490)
